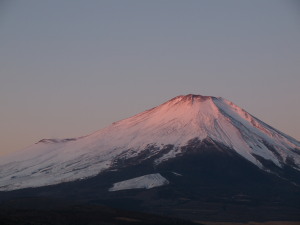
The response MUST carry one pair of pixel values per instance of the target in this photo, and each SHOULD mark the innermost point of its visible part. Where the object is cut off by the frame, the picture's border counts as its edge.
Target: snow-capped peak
(173, 123)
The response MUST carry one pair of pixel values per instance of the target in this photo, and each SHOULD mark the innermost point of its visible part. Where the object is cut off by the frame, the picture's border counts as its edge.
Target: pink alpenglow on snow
(174, 122)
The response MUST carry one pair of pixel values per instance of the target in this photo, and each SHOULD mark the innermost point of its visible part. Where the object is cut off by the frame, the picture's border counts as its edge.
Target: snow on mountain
(177, 174)
(173, 123)
(146, 181)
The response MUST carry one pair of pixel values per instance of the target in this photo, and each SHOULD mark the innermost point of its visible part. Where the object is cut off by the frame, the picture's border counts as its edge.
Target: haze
(68, 68)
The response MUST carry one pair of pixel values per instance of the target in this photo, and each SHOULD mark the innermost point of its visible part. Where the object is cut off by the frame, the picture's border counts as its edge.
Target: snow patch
(146, 181)
(177, 174)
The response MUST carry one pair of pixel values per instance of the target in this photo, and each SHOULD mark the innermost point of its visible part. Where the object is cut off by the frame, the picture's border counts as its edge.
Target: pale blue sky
(68, 68)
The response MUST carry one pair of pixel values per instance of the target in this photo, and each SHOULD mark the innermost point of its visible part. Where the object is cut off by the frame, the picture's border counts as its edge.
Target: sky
(69, 68)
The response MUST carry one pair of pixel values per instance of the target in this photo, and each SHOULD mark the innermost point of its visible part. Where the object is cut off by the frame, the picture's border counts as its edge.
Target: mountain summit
(180, 126)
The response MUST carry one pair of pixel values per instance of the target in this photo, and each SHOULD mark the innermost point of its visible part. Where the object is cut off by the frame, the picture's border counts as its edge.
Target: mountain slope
(160, 134)
(209, 182)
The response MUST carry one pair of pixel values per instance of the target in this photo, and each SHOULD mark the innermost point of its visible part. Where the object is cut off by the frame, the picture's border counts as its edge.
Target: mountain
(160, 133)
(193, 156)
